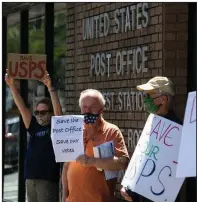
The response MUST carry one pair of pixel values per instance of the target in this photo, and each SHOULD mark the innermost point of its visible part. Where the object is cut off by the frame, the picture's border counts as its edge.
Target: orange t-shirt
(87, 184)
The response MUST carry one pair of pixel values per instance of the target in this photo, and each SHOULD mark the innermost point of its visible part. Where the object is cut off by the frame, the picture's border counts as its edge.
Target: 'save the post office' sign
(26, 66)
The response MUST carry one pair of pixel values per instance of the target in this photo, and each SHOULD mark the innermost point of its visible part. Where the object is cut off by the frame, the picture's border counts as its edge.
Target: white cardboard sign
(187, 152)
(152, 169)
(67, 137)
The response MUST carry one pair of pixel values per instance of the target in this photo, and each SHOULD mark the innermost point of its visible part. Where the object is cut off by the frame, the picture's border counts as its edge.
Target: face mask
(43, 120)
(90, 118)
(150, 106)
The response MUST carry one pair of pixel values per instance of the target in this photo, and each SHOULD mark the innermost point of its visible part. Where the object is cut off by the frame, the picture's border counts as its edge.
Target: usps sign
(26, 66)
(152, 169)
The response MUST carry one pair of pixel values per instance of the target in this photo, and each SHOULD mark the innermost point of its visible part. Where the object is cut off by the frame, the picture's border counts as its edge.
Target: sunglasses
(149, 96)
(42, 113)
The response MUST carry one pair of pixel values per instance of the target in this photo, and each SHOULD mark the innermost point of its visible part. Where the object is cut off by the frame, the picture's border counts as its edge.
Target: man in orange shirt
(82, 181)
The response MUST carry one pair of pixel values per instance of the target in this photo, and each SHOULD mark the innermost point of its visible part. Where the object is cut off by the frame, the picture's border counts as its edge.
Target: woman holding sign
(41, 169)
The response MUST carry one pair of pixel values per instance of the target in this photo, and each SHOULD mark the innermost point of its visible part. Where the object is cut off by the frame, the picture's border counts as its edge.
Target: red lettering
(13, 74)
(32, 67)
(23, 66)
(166, 136)
(41, 66)
(161, 136)
(193, 115)
(24, 57)
(156, 132)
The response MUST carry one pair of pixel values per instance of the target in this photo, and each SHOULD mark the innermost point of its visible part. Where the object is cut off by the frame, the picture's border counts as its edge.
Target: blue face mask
(90, 118)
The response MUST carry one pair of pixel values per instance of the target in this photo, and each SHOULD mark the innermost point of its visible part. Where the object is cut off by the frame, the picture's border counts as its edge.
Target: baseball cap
(158, 82)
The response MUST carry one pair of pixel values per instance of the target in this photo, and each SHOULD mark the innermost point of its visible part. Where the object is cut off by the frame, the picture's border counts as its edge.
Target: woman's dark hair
(47, 102)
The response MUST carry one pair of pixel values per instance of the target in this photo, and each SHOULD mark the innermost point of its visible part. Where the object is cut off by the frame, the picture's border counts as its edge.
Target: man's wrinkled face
(159, 100)
(157, 97)
(91, 109)
(91, 104)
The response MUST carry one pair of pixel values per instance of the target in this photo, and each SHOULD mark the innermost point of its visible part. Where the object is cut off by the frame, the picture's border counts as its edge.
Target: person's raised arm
(55, 101)
(25, 112)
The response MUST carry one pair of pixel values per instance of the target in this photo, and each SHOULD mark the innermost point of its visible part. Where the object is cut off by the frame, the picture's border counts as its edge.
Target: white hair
(94, 93)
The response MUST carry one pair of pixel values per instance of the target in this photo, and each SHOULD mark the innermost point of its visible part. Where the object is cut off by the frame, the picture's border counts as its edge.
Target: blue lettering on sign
(160, 193)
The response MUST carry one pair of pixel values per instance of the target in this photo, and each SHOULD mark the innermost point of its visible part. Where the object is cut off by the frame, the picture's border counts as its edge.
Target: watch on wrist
(52, 89)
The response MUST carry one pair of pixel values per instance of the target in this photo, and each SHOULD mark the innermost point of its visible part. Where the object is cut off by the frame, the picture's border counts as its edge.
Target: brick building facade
(113, 47)
(165, 37)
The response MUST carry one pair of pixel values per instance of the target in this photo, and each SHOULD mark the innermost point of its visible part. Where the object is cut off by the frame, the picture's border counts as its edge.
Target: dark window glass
(12, 118)
(36, 89)
(60, 22)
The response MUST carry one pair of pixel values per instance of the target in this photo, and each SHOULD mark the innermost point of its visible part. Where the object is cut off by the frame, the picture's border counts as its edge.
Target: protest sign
(187, 151)
(67, 137)
(152, 169)
(26, 66)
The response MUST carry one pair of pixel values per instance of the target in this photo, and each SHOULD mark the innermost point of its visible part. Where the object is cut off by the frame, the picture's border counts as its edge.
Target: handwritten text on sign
(26, 66)
(152, 169)
(187, 152)
(67, 137)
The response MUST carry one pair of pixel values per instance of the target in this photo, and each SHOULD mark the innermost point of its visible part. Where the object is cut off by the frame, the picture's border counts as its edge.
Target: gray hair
(92, 92)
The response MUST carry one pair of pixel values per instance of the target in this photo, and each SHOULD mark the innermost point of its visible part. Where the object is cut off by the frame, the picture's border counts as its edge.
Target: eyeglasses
(149, 96)
(156, 97)
(42, 113)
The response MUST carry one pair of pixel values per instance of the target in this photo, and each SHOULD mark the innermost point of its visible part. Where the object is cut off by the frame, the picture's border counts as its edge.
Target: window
(11, 140)
(60, 50)
(36, 89)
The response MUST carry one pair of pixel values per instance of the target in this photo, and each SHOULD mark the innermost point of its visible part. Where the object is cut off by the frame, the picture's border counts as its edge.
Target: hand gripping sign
(26, 66)
(152, 169)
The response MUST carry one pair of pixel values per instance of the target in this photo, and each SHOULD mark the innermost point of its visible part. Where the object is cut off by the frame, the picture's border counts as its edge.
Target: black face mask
(90, 118)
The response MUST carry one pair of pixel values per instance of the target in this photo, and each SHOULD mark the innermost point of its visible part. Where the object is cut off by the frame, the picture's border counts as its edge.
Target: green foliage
(13, 39)
(37, 42)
